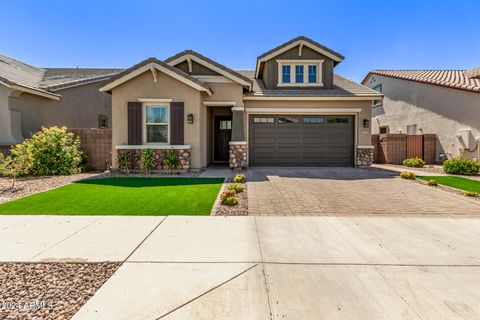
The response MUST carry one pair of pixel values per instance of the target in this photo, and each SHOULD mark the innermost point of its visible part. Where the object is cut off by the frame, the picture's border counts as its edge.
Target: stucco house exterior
(32, 97)
(292, 110)
(441, 102)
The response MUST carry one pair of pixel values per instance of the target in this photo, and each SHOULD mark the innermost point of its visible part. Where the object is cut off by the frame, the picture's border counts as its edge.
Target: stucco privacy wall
(363, 134)
(79, 107)
(166, 87)
(434, 109)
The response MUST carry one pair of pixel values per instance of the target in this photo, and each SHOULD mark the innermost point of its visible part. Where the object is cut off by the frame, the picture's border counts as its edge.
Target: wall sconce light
(190, 118)
(366, 123)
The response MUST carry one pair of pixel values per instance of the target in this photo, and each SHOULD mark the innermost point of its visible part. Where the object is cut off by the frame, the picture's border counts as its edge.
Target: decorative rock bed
(49, 290)
(241, 209)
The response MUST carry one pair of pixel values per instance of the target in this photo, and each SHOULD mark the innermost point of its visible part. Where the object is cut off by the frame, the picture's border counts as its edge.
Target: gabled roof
(154, 64)
(456, 79)
(209, 63)
(301, 40)
(61, 78)
(342, 88)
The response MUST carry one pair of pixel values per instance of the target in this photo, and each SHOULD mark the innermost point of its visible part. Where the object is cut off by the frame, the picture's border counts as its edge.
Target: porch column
(238, 145)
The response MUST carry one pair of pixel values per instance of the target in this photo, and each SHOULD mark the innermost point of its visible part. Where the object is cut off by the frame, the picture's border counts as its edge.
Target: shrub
(463, 166)
(170, 161)
(51, 151)
(228, 198)
(407, 175)
(235, 187)
(239, 178)
(124, 162)
(471, 194)
(2, 163)
(414, 162)
(148, 160)
(13, 168)
(432, 182)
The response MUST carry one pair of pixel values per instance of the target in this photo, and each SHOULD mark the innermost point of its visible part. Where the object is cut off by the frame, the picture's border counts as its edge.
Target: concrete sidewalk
(362, 267)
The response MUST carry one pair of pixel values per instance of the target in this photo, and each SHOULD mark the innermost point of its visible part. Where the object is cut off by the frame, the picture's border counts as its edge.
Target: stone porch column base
(238, 154)
(364, 156)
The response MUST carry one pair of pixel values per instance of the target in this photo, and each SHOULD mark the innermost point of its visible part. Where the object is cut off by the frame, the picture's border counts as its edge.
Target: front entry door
(222, 136)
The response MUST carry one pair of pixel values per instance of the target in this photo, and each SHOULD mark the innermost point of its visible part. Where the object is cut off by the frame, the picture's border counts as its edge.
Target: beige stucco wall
(166, 87)
(79, 107)
(363, 136)
(434, 109)
(10, 130)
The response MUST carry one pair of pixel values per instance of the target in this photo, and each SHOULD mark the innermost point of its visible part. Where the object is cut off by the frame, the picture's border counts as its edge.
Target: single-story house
(32, 97)
(441, 102)
(292, 110)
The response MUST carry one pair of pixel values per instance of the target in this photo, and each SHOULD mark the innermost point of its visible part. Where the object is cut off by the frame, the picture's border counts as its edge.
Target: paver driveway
(325, 191)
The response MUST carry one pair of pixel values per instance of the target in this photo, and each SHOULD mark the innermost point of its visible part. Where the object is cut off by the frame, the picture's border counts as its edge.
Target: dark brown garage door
(301, 141)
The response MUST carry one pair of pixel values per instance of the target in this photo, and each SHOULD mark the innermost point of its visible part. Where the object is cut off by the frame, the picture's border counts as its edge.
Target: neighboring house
(292, 110)
(32, 97)
(443, 102)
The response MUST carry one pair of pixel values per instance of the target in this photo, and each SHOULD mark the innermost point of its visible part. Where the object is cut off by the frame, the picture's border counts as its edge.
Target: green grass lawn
(123, 196)
(455, 182)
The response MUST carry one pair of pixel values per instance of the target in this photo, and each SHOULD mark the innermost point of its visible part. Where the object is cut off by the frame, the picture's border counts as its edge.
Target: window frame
(145, 124)
(100, 119)
(378, 102)
(293, 73)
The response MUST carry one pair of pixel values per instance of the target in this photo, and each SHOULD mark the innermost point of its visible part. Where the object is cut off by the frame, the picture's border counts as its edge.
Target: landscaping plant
(228, 198)
(235, 187)
(432, 182)
(12, 168)
(124, 161)
(239, 178)
(51, 151)
(471, 194)
(407, 175)
(414, 162)
(170, 161)
(462, 166)
(148, 160)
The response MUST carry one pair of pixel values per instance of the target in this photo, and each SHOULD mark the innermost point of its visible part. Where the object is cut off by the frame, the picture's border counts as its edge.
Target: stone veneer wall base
(183, 156)
(364, 157)
(238, 155)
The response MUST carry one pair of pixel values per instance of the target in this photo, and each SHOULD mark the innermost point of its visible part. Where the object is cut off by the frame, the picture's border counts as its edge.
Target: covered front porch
(226, 138)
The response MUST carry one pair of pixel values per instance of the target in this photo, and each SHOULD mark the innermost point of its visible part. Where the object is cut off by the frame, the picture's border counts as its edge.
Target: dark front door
(222, 135)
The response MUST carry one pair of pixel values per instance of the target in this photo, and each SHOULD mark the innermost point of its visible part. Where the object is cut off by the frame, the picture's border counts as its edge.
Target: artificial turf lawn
(123, 196)
(455, 182)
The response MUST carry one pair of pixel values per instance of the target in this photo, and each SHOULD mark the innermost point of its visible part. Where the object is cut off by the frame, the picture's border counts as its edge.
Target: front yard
(123, 196)
(455, 182)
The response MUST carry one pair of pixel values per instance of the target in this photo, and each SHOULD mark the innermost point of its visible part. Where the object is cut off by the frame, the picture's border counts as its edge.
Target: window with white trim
(300, 73)
(156, 123)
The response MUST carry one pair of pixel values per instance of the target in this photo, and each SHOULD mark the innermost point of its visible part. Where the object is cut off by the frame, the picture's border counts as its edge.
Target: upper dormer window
(299, 73)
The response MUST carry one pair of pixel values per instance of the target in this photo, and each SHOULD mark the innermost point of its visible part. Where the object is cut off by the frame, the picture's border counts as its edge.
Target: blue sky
(377, 34)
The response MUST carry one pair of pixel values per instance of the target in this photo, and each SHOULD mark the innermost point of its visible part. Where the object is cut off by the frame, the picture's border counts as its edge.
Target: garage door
(301, 140)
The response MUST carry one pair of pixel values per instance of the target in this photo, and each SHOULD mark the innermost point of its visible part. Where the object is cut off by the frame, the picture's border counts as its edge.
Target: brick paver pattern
(331, 191)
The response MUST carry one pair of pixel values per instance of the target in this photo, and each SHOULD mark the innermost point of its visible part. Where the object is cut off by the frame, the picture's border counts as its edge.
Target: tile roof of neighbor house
(202, 57)
(343, 87)
(456, 79)
(17, 72)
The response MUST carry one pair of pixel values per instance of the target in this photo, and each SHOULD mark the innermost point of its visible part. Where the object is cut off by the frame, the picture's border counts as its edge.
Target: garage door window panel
(288, 120)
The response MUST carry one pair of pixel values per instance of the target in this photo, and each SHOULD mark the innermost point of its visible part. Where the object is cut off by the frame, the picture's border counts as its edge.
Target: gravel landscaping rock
(31, 185)
(49, 290)
(241, 209)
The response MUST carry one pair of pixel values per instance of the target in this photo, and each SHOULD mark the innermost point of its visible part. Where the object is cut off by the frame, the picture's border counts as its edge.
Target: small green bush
(228, 198)
(432, 183)
(148, 160)
(235, 187)
(51, 151)
(471, 194)
(462, 166)
(407, 175)
(414, 162)
(2, 163)
(170, 161)
(239, 178)
(124, 161)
